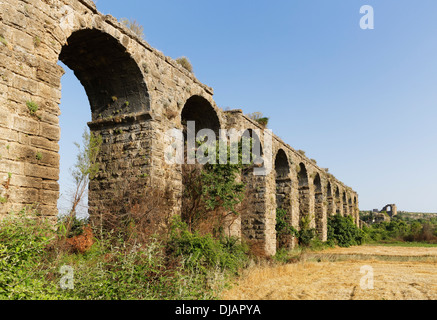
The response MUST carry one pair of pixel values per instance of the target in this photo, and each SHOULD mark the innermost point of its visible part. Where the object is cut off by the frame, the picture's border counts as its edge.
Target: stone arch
(391, 210)
(338, 207)
(330, 199)
(345, 206)
(283, 195)
(118, 97)
(112, 79)
(199, 110)
(252, 151)
(197, 115)
(319, 206)
(254, 216)
(304, 192)
(351, 207)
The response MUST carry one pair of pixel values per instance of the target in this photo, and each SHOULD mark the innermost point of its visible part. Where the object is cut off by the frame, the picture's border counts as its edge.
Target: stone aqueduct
(136, 95)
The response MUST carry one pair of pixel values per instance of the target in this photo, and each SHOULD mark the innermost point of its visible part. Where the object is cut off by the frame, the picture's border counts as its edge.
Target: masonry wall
(136, 96)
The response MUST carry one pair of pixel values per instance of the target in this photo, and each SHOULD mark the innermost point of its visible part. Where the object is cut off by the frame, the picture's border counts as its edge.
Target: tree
(84, 170)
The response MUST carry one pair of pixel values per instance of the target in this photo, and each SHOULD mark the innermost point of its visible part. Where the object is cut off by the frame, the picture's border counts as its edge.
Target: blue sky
(363, 103)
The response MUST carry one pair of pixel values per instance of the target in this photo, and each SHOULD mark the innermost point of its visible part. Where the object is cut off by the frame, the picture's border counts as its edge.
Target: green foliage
(23, 241)
(343, 232)
(184, 266)
(220, 186)
(69, 228)
(3, 40)
(32, 106)
(284, 230)
(86, 161)
(258, 117)
(203, 251)
(213, 188)
(38, 156)
(306, 234)
(403, 229)
(283, 227)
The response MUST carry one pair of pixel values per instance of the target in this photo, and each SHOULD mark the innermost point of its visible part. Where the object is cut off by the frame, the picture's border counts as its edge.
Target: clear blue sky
(363, 103)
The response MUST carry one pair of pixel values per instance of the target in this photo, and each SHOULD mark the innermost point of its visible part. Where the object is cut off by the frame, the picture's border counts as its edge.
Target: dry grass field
(399, 273)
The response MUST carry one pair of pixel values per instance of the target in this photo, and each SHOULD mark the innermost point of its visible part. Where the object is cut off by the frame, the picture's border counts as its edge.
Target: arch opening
(115, 87)
(254, 214)
(252, 151)
(351, 207)
(112, 80)
(197, 115)
(283, 200)
(200, 111)
(345, 206)
(330, 198)
(304, 192)
(318, 202)
(337, 201)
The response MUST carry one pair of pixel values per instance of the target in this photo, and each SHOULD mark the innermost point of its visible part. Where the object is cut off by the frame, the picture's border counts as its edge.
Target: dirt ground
(358, 273)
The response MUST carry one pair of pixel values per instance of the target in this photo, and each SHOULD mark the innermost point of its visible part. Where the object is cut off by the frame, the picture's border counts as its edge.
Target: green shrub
(343, 232)
(258, 117)
(203, 251)
(23, 241)
(31, 255)
(32, 106)
(402, 229)
(306, 234)
(284, 230)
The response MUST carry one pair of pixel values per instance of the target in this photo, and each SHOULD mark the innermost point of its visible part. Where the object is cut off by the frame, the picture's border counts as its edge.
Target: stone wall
(136, 96)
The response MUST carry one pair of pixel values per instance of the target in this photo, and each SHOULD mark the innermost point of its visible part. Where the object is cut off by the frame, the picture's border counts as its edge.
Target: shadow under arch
(337, 200)
(284, 188)
(318, 205)
(345, 205)
(252, 151)
(197, 117)
(200, 111)
(330, 199)
(112, 79)
(304, 193)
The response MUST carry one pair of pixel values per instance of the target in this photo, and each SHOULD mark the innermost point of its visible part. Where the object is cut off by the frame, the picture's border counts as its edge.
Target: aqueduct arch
(200, 111)
(319, 208)
(345, 206)
(115, 88)
(304, 192)
(330, 200)
(111, 78)
(284, 189)
(136, 96)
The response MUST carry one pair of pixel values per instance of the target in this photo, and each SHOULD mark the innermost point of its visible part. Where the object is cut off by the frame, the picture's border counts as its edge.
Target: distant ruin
(391, 210)
(136, 95)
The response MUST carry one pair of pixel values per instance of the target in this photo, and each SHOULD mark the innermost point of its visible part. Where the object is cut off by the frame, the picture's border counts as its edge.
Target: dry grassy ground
(399, 274)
